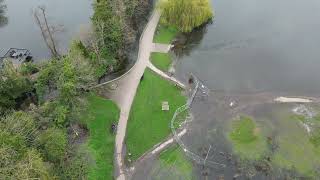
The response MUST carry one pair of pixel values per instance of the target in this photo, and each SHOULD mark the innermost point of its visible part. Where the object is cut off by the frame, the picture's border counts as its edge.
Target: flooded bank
(260, 60)
(284, 146)
(255, 47)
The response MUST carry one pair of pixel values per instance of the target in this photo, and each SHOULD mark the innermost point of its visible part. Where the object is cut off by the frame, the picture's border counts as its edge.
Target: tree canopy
(42, 136)
(12, 86)
(54, 142)
(185, 14)
(18, 159)
(65, 78)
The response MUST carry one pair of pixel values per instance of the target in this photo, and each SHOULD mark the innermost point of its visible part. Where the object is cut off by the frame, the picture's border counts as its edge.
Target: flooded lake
(255, 46)
(21, 31)
(253, 52)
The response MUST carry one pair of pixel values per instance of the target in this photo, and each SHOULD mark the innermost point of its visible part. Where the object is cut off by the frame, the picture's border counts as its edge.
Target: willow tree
(185, 14)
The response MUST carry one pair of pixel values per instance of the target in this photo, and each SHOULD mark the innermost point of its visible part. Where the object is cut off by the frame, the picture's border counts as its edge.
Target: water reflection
(258, 46)
(3, 17)
(187, 42)
(23, 32)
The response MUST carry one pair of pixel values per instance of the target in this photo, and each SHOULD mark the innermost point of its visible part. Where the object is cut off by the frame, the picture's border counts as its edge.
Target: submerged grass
(148, 124)
(174, 159)
(247, 139)
(298, 149)
(165, 34)
(99, 117)
(161, 60)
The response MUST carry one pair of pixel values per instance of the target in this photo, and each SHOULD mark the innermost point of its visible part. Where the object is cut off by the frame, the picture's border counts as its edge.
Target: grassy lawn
(100, 116)
(161, 60)
(247, 140)
(148, 124)
(165, 35)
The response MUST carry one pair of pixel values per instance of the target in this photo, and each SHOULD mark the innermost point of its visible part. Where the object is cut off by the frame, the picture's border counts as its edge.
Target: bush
(185, 14)
(75, 168)
(54, 143)
(28, 68)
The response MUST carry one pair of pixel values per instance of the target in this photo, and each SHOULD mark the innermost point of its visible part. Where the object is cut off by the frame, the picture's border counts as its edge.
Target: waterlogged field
(173, 164)
(247, 138)
(284, 136)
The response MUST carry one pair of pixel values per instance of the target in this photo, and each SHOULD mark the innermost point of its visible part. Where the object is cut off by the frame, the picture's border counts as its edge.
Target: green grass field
(100, 116)
(161, 60)
(148, 124)
(165, 35)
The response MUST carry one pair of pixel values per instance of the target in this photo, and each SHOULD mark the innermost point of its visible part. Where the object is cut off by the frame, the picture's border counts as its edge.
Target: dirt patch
(77, 134)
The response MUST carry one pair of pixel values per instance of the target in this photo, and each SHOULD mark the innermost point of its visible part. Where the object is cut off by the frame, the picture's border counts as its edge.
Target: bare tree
(47, 31)
(93, 40)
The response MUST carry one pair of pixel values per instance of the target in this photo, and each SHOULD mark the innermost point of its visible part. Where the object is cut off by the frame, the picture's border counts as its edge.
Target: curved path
(165, 76)
(127, 87)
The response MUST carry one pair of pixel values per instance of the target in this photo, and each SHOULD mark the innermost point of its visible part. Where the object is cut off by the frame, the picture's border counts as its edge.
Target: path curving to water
(127, 86)
(165, 76)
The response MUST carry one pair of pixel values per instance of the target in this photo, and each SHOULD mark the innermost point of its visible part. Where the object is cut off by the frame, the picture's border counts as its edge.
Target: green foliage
(76, 167)
(147, 122)
(28, 166)
(161, 60)
(100, 116)
(51, 114)
(78, 48)
(67, 77)
(130, 7)
(20, 123)
(185, 14)
(17, 159)
(54, 142)
(28, 68)
(32, 167)
(65, 81)
(12, 86)
(59, 114)
(47, 78)
(107, 26)
(14, 142)
(109, 37)
(165, 34)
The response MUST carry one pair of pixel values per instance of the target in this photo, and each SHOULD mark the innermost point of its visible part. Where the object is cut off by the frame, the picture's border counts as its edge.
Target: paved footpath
(127, 87)
(165, 76)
